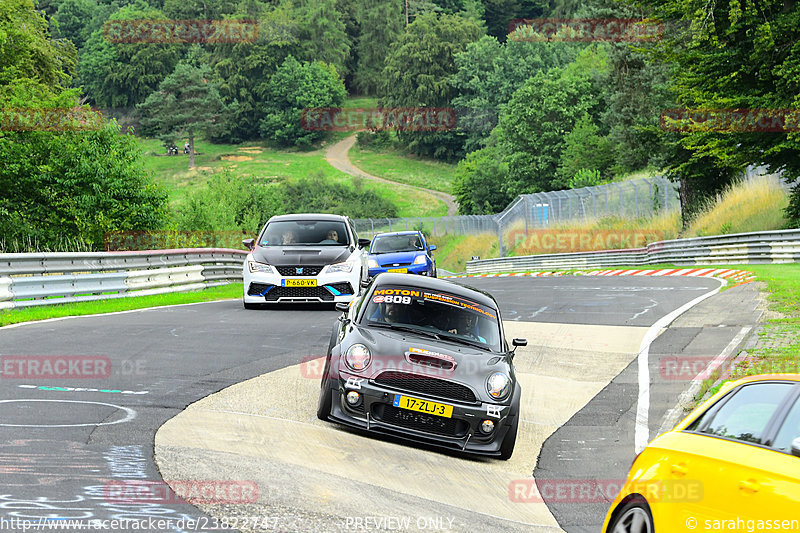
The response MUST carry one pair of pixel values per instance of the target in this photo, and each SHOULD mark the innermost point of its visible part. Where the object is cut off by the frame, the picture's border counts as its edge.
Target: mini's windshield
(304, 233)
(434, 313)
(388, 244)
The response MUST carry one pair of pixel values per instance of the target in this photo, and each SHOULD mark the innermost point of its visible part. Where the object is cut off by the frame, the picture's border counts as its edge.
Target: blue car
(401, 251)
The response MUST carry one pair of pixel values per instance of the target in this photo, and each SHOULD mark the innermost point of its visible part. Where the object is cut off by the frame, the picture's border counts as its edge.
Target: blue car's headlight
(371, 263)
(340, 267)
(420, 260)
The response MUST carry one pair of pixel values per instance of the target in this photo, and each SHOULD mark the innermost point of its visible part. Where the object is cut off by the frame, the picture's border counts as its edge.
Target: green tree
(75, 184)
(535, 122)
(26, 50)
(124, 74)
(322, 35)
(476, 181)
(584, 177)
(293, 88)
(187, 102)
(381, 24)
(488, 74)
(584, 148)
(731, 55)
(418, 74)
(243, 70)
(75, 20)
(204, 10)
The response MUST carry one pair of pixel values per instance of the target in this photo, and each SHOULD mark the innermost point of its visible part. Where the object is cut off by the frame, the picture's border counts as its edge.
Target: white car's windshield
(304, 233)
(434, 313)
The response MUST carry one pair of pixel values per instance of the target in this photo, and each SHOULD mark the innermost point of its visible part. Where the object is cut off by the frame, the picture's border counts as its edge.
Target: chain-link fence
(637, 198)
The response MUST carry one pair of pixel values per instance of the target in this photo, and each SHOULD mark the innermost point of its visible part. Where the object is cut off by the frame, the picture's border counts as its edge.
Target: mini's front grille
(299, 292)
(305, 270)
(341, 288)
(451, 427)
(428, 386)
(258, 289)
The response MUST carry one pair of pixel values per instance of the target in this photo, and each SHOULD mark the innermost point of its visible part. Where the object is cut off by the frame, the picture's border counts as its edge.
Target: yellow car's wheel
(633, 517)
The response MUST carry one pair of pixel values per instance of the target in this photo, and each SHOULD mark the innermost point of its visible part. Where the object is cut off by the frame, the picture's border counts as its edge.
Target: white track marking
(642, 431)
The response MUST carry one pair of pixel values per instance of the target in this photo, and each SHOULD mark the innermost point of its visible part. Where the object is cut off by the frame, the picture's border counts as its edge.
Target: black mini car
(426, 360)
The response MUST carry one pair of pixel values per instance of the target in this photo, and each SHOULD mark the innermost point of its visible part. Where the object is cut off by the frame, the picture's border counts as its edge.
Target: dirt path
(336, 155)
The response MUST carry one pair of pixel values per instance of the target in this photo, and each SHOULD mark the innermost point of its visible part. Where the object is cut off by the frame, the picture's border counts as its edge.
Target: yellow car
(732, 465)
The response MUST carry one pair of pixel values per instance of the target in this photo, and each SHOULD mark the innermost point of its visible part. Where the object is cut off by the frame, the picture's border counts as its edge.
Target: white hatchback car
(305, 258)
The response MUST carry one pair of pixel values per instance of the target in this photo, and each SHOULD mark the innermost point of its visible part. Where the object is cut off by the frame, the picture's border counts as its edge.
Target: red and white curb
(725, 273)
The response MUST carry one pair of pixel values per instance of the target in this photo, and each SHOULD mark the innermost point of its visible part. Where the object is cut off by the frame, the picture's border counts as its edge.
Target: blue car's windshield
(434, 313)
(389, 244)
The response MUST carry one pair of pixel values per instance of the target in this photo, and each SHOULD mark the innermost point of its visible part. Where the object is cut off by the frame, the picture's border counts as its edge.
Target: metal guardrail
(781, 246)
(35, 279)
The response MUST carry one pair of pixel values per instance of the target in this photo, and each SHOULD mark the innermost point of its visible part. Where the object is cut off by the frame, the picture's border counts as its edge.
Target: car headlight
(420, 260)
(371, 263)
(357, 357)
(498, 385)
(259, 267)
(340, 267)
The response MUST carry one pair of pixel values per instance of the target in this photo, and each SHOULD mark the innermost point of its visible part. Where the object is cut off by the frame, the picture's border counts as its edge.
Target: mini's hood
(301, 255)
(390, 349)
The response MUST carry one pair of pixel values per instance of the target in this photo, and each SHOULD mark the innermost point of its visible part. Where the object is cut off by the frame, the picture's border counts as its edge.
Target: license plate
(400, 270)
(301, 282)
(423, 406)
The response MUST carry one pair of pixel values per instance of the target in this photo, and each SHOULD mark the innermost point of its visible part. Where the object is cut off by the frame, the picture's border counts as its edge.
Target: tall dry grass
(755, 205)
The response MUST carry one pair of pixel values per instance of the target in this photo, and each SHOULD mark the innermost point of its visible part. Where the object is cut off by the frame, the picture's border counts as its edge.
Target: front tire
(633, 517)
(251, 306)
(507, 448)
(325, 401)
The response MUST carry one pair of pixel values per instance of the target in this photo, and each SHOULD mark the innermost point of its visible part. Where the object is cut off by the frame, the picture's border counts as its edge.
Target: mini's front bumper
(464, 426)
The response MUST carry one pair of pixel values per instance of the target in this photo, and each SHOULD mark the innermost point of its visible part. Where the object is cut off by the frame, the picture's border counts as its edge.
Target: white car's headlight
(420, 260)
(259, 267)
(340, 267)
(498, 385)
(357, 357)
(371, 263)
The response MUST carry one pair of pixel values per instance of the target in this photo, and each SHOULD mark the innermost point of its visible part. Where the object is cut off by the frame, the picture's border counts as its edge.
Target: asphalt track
(63, 448)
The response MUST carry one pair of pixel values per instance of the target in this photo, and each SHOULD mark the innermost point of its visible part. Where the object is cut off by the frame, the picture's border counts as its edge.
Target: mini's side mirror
(519, 342)
(249, 243)
(343, 307)
(796, 447)
(364, 243)
(432, 247)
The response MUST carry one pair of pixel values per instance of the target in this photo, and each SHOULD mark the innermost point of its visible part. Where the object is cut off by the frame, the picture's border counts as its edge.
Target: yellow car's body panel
(701, 480)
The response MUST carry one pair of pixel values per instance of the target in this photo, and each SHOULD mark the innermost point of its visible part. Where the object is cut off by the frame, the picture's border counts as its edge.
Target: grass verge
(396, 165)
(15, 316)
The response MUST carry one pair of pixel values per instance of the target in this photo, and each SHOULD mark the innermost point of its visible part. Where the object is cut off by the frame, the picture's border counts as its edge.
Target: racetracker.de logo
(584, 30)
(55, 119)
(55, 366)
(731, 120)
(181, 31)
(602, 490)
(172, 492)
(565, 241)
(420, 119)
